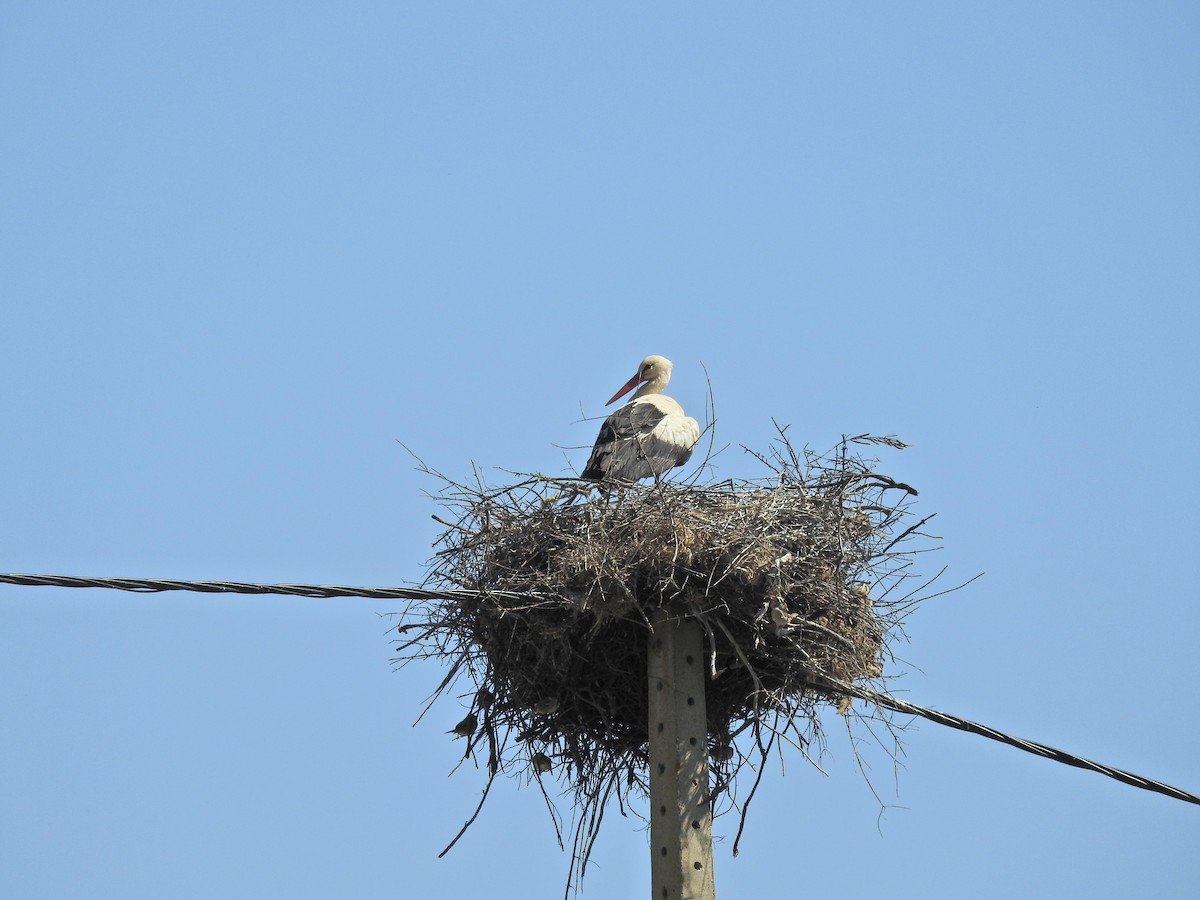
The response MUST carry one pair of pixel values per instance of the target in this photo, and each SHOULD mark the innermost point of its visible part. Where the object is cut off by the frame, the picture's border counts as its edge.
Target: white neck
(653, 386)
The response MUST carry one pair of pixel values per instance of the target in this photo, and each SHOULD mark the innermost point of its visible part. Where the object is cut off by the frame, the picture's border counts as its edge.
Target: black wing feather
(629, 423)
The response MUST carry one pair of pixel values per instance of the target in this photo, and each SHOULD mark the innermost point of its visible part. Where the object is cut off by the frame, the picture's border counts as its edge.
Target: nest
(799, 579)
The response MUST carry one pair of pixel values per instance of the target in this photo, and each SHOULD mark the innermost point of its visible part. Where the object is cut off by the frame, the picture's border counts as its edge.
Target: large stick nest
(799, 575)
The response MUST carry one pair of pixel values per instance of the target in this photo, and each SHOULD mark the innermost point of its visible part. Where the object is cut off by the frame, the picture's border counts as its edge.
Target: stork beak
(629, 386)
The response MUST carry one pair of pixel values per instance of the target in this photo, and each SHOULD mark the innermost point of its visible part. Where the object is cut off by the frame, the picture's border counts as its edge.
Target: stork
(646, 436)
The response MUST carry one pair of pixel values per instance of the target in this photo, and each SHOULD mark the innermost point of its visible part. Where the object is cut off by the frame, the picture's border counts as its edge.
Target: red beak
(629, 386)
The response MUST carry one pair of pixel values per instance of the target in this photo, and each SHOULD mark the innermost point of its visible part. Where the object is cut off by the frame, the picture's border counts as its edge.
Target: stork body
(648, 435)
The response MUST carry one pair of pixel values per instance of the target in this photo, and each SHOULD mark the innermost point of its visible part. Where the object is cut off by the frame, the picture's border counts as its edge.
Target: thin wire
(821, 680)
(149, 586)
(952, 721)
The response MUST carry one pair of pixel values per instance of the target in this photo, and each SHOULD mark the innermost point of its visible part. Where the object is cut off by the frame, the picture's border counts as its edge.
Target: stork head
(653, 374)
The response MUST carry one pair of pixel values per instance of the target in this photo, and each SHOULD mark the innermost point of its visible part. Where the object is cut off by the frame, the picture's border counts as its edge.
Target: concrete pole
(680, 806)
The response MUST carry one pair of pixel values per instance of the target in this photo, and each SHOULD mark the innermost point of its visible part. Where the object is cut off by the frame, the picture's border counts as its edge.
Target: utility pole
(681, 865)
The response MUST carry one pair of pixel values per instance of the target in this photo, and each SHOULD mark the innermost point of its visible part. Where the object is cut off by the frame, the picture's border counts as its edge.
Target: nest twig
(802, 573)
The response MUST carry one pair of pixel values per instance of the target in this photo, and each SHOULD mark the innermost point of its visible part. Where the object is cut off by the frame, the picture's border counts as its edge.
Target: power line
(144, 585)
(952, 721)
(150, 586)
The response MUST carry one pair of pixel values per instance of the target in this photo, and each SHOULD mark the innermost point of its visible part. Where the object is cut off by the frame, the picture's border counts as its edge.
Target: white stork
(646, 436)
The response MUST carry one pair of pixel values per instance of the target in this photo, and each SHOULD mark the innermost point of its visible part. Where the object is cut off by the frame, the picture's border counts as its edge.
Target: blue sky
(249, 248)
